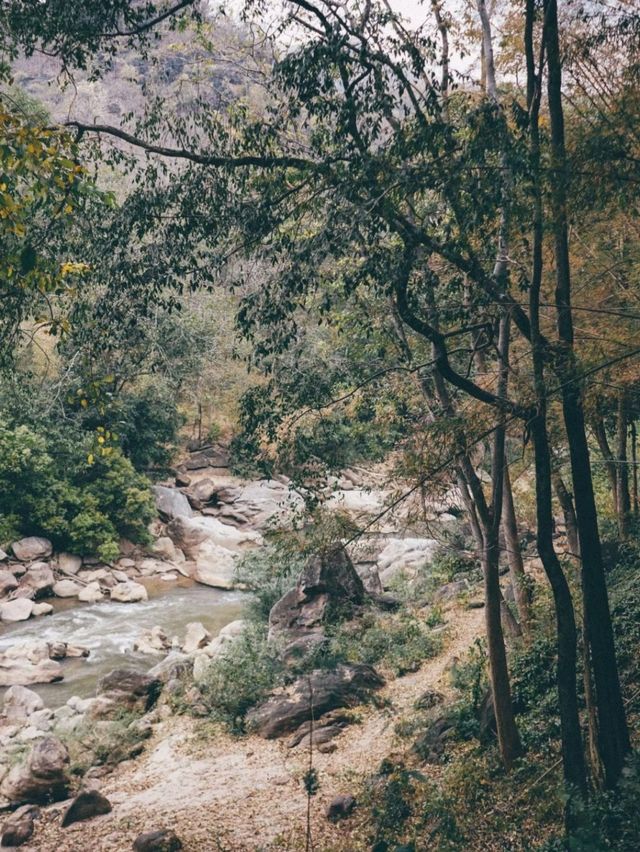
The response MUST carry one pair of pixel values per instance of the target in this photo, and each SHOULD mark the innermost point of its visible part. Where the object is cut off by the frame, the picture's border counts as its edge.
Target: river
(109, 631)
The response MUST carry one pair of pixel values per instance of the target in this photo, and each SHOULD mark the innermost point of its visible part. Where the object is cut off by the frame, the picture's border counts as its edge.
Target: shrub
(268, 572)
(59, 485)
(400, 643)
(242, 677)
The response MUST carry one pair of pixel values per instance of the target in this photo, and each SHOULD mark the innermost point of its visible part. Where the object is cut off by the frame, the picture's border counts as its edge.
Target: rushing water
(109, 630)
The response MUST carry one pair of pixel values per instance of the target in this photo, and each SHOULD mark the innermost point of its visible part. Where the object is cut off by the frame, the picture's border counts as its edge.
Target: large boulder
(32, 548)
(215, 566)
(129, 592)
(316, 693)
(18, 610)
(190, 533)
(91, 593)
(42, 777)
(404, 556)
(19, 703)
(16, 671)
(201, 492)
(328, 577)
(86, 805)
(37, 581)
(66, 589)
(69, 563)
(196, 637)
(130, 689)
(8, 582)
(171, 503)
(258, 503)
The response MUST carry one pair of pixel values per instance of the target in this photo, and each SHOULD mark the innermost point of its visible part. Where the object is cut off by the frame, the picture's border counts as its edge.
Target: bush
(242, 677)
(63, 486)
(400, 643)
(268, 572)
(147, 423)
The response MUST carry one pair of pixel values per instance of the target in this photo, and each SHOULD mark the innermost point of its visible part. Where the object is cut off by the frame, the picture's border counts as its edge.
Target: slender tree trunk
(607, 455)
(613, 732)
(634, 466)
(568, 510)
(572, 752)
(624, 500)
(510, 624)
(521, 590)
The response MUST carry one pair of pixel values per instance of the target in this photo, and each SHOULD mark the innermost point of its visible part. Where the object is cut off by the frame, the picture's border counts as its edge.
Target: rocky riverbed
(82, 643)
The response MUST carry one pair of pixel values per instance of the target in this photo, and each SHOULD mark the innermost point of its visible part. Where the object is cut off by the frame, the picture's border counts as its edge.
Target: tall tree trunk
(613, 732)
(572, 752)
(568, 510)
(607, 456)
(521, 590)
(624, 499)
(634, 467)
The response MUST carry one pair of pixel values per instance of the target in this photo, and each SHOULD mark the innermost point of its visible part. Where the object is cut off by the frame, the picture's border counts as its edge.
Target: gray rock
(450, 590)
(42, 608)
(69, 563)
(329, 576)
(8, 582)
(131, 689)
(37, 581)
(19, 703)
(431, 745)
(18, 610)
(162, 840)
(171, 503)
(18, 829)
(91, 593)
(32, 548)
(86, 805)
(66, 589)
(42, 777)
(129, 592)
(196, 637)
(320, 691)
(340, 807)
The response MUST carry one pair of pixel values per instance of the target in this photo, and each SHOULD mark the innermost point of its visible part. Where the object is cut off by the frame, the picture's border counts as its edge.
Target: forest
(318, 346)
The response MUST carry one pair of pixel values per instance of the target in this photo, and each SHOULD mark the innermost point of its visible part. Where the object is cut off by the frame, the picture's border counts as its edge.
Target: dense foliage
(63, 484)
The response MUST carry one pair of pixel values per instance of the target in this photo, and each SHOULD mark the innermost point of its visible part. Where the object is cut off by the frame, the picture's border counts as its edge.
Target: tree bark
(634, 467)
(613, 732)
(623, 498)
(521, 590)
(571, 740)
(607, 456)
(568, 510)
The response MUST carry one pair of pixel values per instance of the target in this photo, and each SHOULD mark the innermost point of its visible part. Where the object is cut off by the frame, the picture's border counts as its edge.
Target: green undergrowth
(467, 801)
(395, 643)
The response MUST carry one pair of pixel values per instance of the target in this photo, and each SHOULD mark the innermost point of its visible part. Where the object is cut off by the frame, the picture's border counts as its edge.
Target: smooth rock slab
(86, 805)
